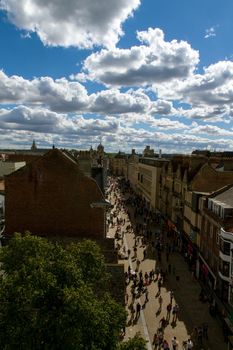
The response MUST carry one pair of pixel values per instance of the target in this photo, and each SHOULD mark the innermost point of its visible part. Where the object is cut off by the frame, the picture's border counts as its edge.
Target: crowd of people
(130, 214)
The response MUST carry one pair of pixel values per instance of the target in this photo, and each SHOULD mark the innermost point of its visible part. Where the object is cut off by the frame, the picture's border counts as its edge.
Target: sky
(127, 74)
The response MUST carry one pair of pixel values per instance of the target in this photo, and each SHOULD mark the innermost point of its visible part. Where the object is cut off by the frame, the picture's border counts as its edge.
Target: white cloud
(209, 95)
(168, 124)
(114, 102)
(63, 96)
(80, 23)
(18, 126)
(40, 120)
(155, 60)
(210, 32)
(210, 130)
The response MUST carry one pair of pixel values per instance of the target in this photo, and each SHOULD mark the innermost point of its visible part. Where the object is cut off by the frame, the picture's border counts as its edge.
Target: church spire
(33, 147)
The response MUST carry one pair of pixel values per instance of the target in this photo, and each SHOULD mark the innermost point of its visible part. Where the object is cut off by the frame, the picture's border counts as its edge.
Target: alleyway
(192, 314)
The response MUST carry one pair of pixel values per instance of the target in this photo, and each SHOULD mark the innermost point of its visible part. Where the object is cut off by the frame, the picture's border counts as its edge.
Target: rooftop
(225, 199)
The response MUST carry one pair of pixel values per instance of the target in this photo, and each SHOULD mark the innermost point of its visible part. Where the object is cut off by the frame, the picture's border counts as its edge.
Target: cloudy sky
(126, 73)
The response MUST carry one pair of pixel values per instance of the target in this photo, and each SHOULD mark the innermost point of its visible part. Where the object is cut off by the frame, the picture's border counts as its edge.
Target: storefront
(205, 274)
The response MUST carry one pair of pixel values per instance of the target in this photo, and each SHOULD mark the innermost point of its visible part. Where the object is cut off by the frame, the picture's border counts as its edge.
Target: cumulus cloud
(168, 124)
(59, 94)
(205, 112)
(115, 102)
(154, 60)
(209, 95)
(214, 86)
(210, 130)
(18, 126)
(80, 23)
(64, 96)
(41, 120)
(24, 118)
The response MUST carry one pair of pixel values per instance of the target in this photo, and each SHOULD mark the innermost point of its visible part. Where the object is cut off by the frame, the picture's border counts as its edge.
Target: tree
(50, 298)
(135, 343)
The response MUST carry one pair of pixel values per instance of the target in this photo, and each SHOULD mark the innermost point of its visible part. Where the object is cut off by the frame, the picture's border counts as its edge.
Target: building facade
(53, 197)
(7, 167)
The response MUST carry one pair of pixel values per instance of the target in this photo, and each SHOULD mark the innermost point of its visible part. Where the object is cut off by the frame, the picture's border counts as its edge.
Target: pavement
(193, 313)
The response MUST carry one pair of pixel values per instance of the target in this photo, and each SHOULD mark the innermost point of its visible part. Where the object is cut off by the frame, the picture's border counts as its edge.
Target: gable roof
(209, 180)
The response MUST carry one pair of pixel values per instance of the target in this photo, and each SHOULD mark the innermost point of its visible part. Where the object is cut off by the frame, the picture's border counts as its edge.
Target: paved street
(193, 313)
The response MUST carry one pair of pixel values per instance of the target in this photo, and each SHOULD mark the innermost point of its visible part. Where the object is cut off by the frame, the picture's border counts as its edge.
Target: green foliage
(90, 260)
(135, 343)
(50, 297)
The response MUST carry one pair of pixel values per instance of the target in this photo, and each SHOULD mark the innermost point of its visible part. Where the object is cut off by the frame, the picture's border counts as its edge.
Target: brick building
(51, 196)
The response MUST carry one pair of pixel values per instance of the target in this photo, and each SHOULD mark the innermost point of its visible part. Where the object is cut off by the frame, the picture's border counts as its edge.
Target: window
(231, 295)
(222, 213)
(217, 237)
(225, 247)
(224, 267)
(210, 205)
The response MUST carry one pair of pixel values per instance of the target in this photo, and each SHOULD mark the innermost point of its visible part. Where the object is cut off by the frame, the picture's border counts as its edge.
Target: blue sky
(129, 73)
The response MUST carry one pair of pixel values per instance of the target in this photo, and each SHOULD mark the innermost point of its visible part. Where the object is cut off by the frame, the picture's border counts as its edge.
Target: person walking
(200, 335)
(174, 343)
(175, 311)
(137, 264)
(138, 310)
(169, 308)
(163, 323)
(146, 295)
(159, 285)
(132, 311)
(155, 341)
(171, 296)
(165, 345)
(205, 330)
(189, 344)
(160, 302)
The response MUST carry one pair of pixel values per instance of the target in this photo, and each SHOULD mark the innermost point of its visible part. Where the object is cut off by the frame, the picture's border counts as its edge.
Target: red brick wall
(50, 197)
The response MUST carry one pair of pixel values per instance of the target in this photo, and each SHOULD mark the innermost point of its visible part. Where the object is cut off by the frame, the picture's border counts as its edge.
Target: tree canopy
(52, 297)
(135, 343)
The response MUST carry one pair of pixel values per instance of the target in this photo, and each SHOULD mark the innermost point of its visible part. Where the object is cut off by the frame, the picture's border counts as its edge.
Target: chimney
(160, 153)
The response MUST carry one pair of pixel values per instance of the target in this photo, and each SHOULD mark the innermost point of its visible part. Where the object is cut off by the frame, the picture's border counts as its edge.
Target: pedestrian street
(166, 280)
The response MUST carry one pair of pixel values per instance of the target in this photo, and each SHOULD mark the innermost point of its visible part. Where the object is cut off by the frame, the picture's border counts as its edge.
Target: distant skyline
(126, 73)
